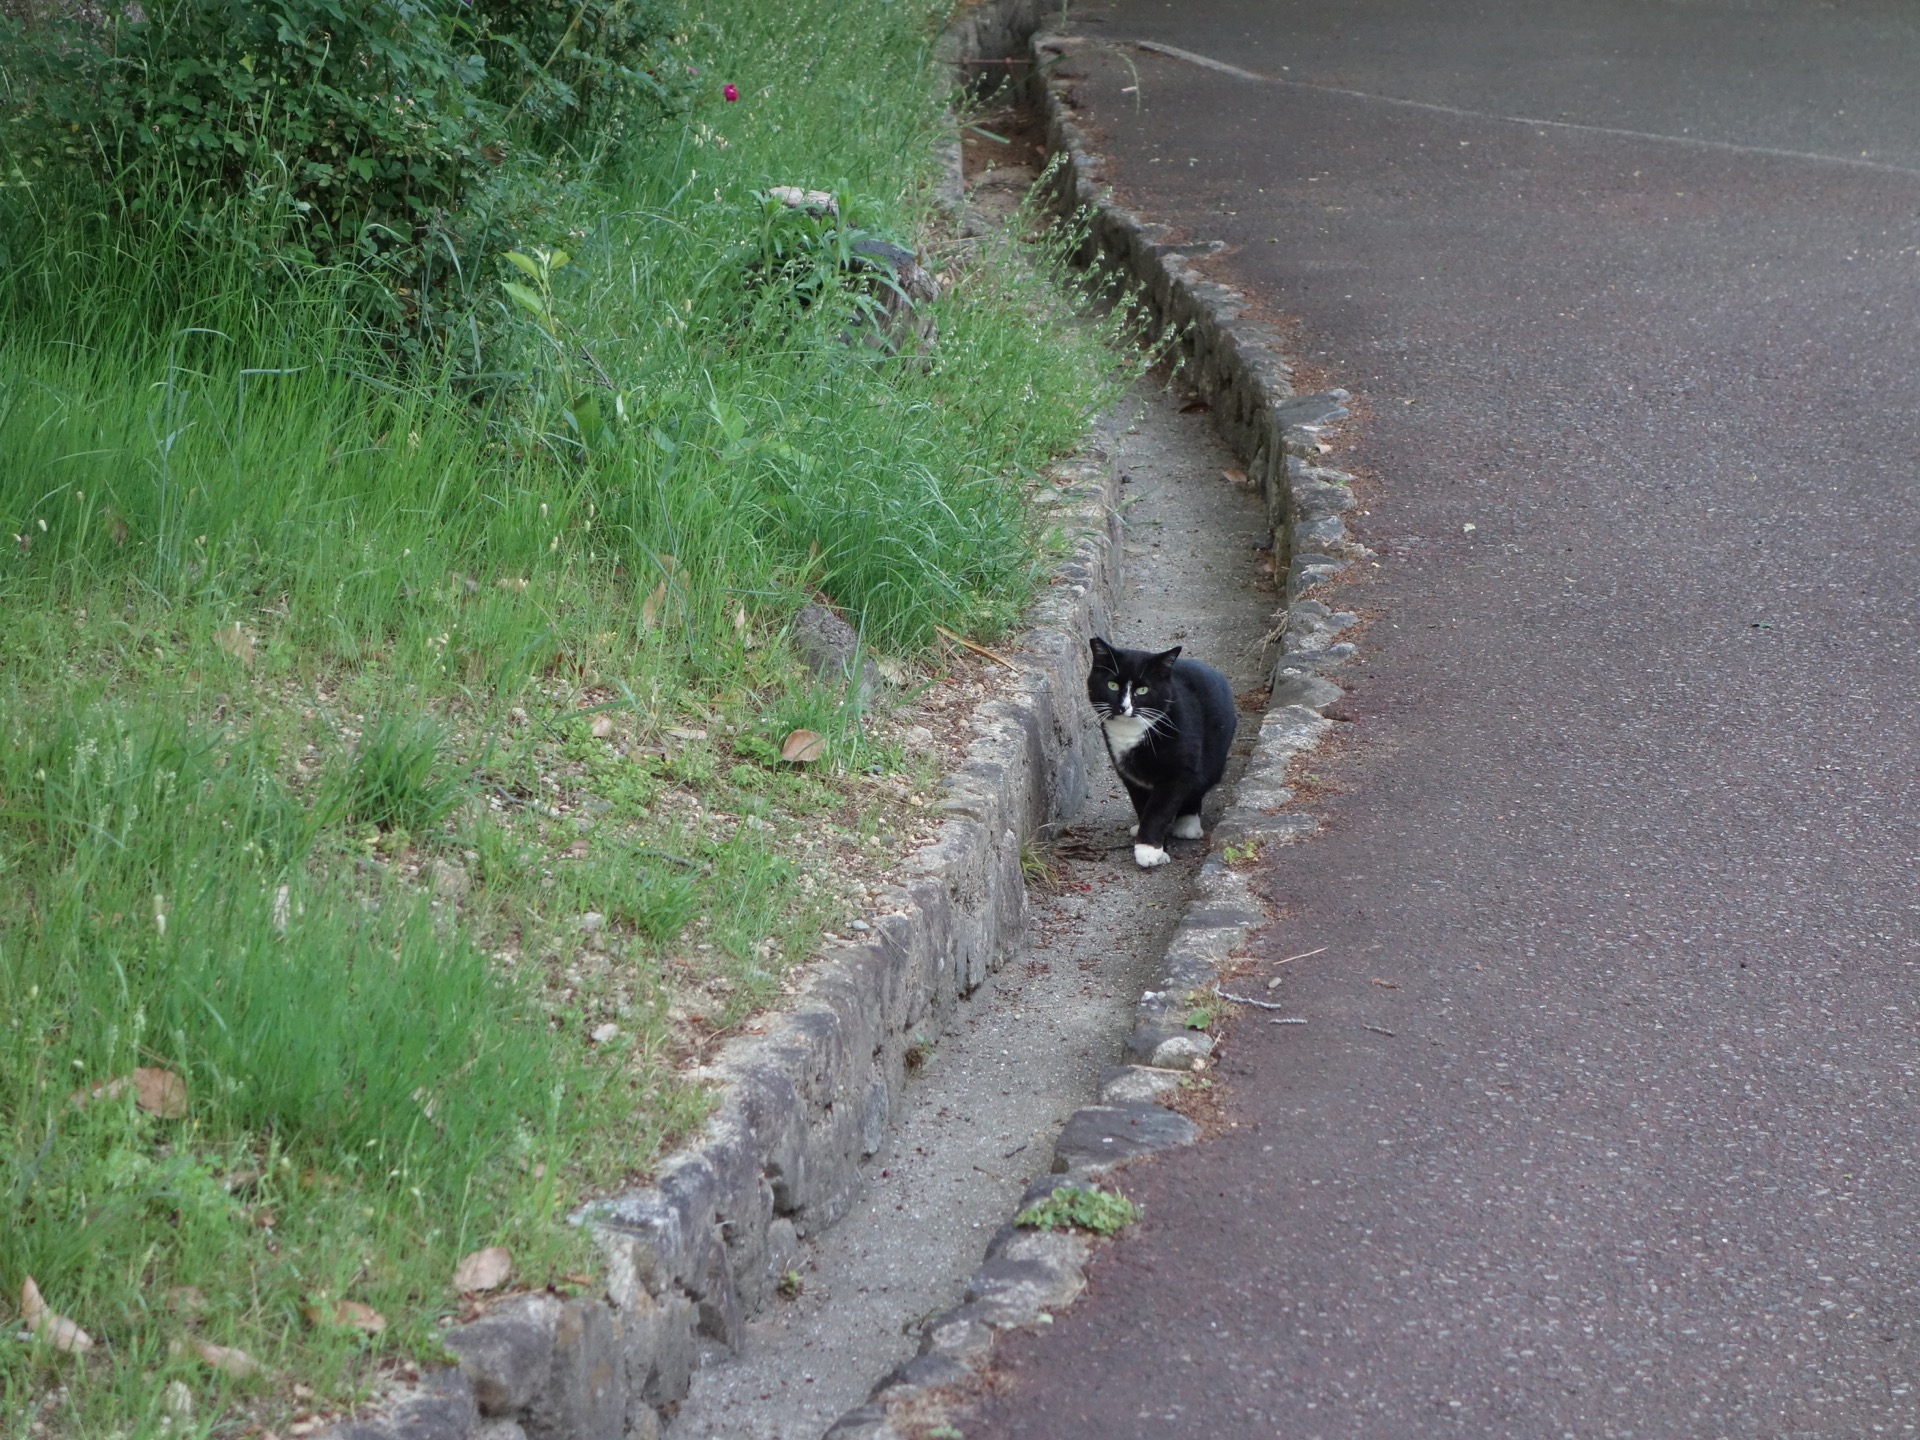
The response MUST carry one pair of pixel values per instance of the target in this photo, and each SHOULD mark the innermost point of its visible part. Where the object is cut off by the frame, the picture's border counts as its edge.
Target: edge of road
(1239, 367)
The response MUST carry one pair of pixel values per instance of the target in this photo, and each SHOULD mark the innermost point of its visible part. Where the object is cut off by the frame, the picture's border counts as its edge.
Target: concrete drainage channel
(1012, 1065)
(877, 1292)
(804, 1171)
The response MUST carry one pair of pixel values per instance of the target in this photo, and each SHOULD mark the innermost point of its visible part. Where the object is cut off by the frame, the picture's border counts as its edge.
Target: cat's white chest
(1123, 733)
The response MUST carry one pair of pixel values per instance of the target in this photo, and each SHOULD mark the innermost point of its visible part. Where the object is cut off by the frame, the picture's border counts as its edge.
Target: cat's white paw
(1187, 827)
(1133, 829)
(1148, 856)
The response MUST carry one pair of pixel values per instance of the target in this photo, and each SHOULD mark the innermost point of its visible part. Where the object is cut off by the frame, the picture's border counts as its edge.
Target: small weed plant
(1079, 1207)
(1243, 854)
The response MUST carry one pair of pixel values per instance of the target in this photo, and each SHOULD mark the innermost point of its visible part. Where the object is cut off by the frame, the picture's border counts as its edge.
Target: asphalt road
(1623, 845)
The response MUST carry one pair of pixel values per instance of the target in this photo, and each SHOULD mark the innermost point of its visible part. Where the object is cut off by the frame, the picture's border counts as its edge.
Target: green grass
(301, 659)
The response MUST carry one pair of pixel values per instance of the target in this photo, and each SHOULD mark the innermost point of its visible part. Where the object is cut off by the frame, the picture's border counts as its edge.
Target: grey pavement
(1622, 845)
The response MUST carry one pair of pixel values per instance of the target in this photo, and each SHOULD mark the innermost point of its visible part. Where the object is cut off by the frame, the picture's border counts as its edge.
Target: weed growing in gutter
(1079, 1207)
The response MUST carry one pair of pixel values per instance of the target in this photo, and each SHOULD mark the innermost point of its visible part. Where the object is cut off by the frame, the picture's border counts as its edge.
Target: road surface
(1623, 844)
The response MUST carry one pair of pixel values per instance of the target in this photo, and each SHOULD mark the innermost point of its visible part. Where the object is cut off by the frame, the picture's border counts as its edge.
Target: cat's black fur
(1168, 724)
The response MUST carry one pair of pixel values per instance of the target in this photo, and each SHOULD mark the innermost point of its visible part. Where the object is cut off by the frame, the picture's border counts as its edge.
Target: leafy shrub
(363, 113)
(562, 63)
(381, 133)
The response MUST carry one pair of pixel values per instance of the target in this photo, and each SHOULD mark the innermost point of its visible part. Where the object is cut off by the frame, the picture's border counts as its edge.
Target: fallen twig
(1286, 1022)
(1247, 1000)
(1376, 1029)
(977, 649)
(1304, 954)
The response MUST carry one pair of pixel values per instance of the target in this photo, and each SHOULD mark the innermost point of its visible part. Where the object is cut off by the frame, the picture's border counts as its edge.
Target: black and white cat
(1168, 724)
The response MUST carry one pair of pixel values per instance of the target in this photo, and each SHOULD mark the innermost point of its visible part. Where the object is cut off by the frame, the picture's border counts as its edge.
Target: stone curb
(801, 1107)
(1238, 366)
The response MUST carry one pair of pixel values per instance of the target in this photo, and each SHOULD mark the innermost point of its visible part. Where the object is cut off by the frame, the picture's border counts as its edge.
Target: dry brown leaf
(56, 1329)
(803, 747)
(1238, 477)
(224, 1358)
(347, 1314)
(160, 1092)
(236, 642)
(359, 1317)
(650, 607)
(602, 726)
(100, 1090)
(483, 1270)
(189, 1302)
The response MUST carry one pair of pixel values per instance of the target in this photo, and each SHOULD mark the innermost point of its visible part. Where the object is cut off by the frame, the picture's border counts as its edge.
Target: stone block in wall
(507, 1355)
(585, 1397)
(676, 1350)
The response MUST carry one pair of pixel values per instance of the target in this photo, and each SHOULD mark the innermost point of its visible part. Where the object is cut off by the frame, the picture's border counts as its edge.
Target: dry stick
(1304, 954)
(977, 649)
(1247, 1000)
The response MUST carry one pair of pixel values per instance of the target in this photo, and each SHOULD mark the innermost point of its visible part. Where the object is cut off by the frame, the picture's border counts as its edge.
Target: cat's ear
(1101, 649)
(1167, 657)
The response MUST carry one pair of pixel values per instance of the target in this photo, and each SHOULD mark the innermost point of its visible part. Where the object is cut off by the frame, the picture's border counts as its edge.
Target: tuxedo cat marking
(1168, 724)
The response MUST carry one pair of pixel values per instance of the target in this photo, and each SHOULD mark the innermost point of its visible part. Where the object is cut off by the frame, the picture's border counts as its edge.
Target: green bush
(394, 136)
(363, 114)
(561, 63)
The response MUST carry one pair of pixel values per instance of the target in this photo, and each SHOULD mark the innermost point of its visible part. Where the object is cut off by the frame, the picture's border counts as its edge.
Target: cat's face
(1130, 684)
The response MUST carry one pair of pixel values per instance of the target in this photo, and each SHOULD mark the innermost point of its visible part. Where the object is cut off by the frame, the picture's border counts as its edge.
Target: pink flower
(731, 91)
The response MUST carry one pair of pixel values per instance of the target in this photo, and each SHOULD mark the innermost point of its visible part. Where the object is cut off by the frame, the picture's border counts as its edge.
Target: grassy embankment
(336, 688)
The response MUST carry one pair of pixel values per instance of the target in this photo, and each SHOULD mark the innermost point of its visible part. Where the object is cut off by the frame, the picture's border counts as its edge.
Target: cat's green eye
(1113, 684)
(1141, 690)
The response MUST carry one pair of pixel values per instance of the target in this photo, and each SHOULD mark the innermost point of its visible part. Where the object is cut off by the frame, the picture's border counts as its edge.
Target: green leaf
(588, 424)
(558, 259)
(523, 262)
(528, 300)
